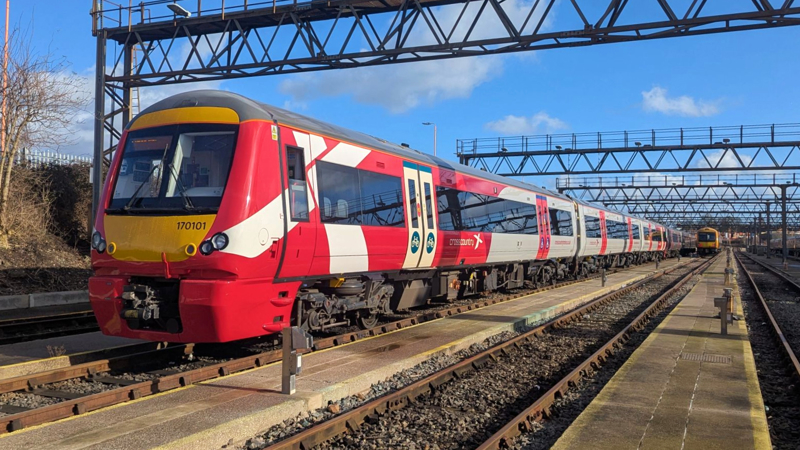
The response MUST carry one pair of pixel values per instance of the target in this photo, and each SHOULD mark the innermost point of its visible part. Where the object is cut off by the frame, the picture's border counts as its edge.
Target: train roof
(248, 109)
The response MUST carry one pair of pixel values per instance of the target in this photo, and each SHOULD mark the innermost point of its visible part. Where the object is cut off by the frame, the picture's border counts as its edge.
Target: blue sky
(724, 79)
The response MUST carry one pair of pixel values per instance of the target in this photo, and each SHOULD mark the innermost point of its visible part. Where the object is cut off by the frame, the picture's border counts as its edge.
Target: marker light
(98, 243)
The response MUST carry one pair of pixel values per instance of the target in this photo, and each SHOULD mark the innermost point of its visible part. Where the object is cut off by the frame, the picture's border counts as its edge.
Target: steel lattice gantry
(696, 190)
(141, 46)
(730, 148)
(731, 201)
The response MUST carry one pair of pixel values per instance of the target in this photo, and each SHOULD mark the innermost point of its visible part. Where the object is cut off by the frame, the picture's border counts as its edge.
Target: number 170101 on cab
(223, 218)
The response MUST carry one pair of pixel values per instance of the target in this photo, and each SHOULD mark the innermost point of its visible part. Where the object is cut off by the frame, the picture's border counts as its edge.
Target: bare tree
(42, 100)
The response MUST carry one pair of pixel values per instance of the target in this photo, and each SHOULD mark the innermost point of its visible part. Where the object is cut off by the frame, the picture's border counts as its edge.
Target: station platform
(687, 386)
(237, 407)
(43, 311)
(34, 356)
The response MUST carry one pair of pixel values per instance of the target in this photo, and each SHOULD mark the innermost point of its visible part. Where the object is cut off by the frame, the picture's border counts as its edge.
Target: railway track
(48, 396)
(31, 328)
(770, 312)
(781, 306)
(461, 405)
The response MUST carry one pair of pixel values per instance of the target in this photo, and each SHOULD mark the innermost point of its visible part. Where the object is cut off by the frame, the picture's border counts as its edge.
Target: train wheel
(367, 321)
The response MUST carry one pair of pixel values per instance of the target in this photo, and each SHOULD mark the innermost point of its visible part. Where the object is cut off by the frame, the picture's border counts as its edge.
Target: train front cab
(707, 241)
(186, 242)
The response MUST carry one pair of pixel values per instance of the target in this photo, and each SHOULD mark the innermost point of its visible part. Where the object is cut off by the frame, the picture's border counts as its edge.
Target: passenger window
(592, 227)
(298, 196)
(412, 197)
(428, 205)
(381, 199)
(560, 222)
(339, 194)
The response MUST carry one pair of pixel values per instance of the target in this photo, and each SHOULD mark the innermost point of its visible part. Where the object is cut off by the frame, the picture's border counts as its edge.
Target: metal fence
(38, 158)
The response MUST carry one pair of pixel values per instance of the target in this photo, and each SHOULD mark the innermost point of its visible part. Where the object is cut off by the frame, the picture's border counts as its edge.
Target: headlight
(98, 243)
(96, 238)
(220, 241)
(206, 248)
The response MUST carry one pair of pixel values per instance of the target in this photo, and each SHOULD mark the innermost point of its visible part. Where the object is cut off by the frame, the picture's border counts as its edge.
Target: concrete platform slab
(673, 392)
(44, 311)
(33, 356)
(208, 415)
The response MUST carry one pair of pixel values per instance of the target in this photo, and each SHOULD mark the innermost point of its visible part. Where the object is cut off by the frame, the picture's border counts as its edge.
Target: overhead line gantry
(237, 39)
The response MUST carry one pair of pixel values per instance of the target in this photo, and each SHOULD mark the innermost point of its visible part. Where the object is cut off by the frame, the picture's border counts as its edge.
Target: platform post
(759, 223)
(769, 233)
(603, 277)
(294, 339)
(784, 246)
(724, 305)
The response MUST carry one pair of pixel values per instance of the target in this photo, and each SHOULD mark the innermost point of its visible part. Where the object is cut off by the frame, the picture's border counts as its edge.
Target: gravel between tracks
(779, 390)
(464, 412)
(568, 408)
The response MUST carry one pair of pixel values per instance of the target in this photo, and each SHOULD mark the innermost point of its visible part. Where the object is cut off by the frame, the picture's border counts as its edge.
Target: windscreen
(180, 167)
(706, 237)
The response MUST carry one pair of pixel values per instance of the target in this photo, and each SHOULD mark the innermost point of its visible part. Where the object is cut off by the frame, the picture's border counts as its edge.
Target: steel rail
(352, 420)
(92, 369)
(776, 328)
(777, 272)
(541, 407)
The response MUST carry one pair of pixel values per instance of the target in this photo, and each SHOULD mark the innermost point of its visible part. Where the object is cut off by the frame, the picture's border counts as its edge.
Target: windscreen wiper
(133, 198)
(187, 202)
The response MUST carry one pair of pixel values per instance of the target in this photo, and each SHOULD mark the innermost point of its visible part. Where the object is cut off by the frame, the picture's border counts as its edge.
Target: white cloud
(82, 128)
(402, 87)
(656, 100)
(540, 122)
(723, 158)
(397, 88)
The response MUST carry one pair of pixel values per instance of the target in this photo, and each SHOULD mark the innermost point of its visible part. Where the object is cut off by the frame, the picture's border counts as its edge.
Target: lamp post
(434, 135)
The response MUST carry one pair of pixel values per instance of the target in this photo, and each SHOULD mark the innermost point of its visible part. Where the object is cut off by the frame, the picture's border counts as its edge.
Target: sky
(737, 78)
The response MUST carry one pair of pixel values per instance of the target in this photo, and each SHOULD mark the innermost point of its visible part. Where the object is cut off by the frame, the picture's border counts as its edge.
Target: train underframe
(333, 302)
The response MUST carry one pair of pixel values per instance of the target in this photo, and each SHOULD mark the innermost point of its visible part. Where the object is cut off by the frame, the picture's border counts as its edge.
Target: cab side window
(298, 196)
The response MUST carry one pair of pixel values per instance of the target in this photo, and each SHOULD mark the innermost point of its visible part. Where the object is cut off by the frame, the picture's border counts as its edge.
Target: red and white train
(223, 218)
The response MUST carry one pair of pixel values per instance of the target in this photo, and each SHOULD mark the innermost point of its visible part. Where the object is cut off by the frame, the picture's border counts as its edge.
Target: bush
(51, 199)
(28, 213)
(70, 200)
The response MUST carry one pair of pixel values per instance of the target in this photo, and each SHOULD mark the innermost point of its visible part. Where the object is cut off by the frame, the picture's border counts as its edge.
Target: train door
(420, 200)
(629, 247)
(543, 218)
(300, 238)
(603, 233)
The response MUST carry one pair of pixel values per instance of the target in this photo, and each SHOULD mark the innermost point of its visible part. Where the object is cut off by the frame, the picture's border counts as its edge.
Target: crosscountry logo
(478, 240)
(415, 242)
